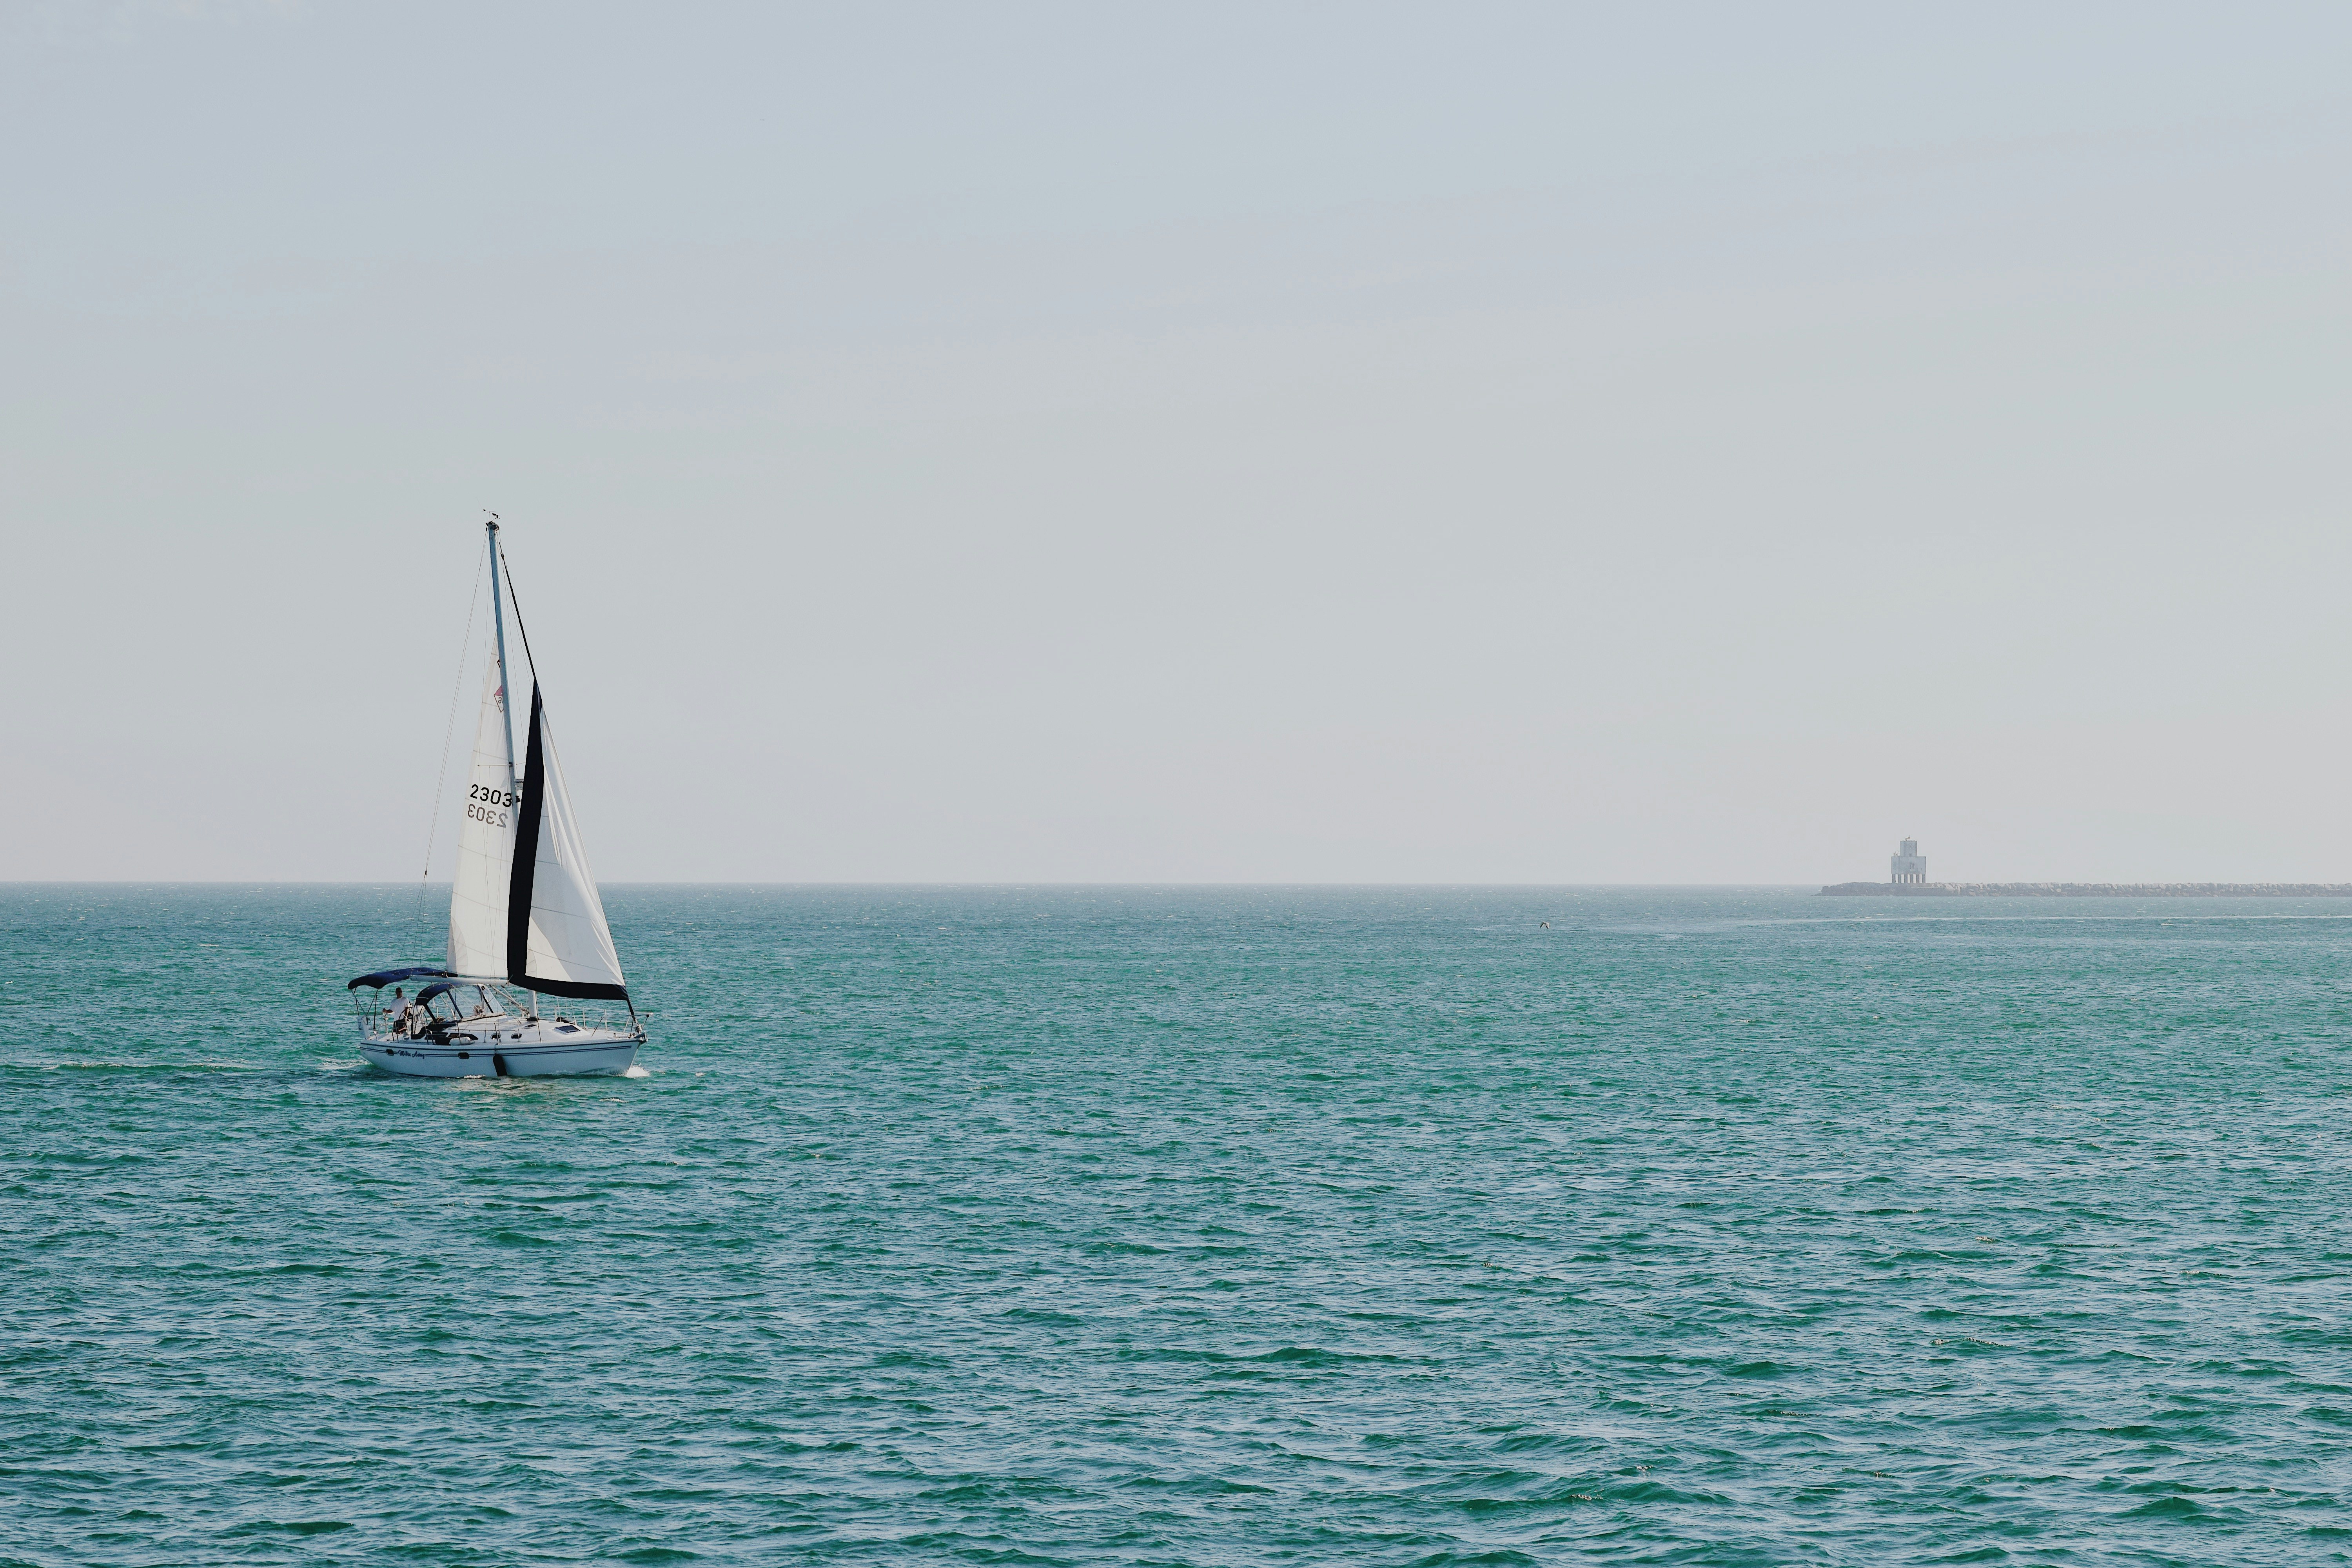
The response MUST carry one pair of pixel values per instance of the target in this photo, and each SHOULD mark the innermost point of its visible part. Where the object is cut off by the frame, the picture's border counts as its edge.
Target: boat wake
(87, 1066)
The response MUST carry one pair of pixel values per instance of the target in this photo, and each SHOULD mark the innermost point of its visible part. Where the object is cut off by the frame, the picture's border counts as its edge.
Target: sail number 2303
(483, 803)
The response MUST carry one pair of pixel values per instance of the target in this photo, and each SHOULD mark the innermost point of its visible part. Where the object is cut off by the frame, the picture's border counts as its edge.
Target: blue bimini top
(383, 977)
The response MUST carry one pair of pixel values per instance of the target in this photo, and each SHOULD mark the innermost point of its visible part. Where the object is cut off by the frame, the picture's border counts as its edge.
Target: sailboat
(531, 978)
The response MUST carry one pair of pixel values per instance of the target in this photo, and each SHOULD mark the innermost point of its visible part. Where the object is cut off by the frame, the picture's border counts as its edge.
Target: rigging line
(448, 732)
(516, 600)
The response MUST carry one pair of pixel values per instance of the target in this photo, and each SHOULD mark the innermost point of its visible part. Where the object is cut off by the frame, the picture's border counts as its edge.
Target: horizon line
(899, 883)
(902, 882)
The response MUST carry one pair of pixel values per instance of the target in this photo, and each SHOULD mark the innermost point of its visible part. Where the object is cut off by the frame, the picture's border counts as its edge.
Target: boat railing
(599, 1019)
(384, 1019)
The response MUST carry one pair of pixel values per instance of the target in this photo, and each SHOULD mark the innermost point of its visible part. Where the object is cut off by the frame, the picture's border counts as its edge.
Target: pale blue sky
(1314, 443)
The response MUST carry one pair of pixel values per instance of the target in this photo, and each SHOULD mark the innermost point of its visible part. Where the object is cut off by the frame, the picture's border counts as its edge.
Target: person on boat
(413, 1019)
(395, 1007)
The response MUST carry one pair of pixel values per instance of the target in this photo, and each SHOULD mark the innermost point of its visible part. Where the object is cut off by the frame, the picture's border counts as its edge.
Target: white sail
(486, 835)
(567, 946)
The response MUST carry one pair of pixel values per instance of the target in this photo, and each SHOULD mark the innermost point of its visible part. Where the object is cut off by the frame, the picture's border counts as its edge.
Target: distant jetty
(2088, 891)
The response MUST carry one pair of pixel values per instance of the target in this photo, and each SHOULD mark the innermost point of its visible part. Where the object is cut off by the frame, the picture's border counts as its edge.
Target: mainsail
(485, 838)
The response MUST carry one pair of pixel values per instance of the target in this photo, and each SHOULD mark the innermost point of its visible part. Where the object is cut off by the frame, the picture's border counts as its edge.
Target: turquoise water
(1227, 1227)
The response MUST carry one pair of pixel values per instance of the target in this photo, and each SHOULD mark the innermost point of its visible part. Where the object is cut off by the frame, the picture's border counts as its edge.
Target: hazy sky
(1319, 443)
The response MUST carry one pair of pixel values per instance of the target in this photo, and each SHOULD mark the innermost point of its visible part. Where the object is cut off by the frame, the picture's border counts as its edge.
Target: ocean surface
(1192, 1225)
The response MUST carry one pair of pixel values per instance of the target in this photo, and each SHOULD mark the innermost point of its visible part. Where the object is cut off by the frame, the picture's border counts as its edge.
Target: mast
(482, 936)
(499, 619)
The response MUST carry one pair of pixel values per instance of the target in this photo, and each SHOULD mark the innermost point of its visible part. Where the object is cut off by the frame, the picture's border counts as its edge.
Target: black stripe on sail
(588, 989)
(519, 888)
(526, 852)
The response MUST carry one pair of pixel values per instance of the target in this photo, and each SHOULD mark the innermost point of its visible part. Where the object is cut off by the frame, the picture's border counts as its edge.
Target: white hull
(583, 1051)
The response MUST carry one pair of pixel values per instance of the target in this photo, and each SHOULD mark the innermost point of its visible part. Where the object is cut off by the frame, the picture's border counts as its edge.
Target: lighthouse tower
(1910, 866)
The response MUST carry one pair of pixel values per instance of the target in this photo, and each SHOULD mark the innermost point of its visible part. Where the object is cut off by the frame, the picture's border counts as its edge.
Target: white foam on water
(139, 1065)
(636, 1071)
